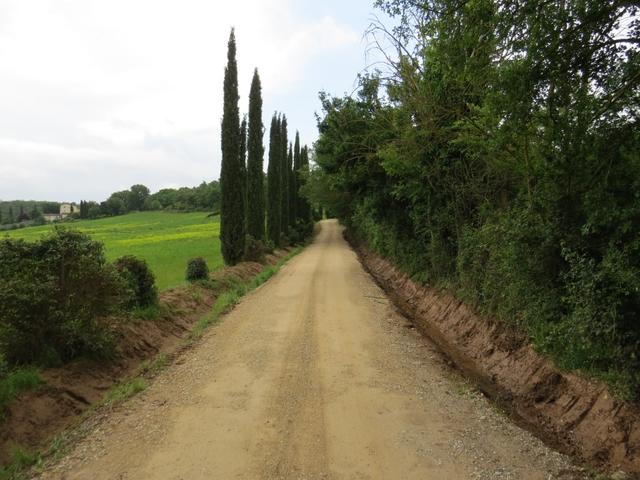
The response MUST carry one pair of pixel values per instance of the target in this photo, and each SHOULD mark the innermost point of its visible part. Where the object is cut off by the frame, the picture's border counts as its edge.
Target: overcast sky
(97, 95)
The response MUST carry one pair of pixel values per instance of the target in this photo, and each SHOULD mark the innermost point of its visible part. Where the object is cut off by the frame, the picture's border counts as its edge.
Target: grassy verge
(237, 290)
(18, 381)
(125, 390)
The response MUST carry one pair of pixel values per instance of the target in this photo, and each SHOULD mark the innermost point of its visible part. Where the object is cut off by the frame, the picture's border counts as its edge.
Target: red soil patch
(577, 415)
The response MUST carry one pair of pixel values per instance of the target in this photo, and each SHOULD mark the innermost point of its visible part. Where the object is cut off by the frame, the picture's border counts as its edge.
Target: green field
(165, 240)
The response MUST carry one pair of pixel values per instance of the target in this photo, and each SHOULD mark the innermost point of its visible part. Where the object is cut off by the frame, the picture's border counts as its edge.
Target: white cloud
(130, 90)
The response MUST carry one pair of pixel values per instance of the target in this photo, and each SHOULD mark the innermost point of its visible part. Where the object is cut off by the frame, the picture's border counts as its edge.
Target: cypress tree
(284, 172)
(290, 188)
(10, 219)
(243, 164)
(305, 207)
(232, 222)
(295, 182)
(255, 175)
(274, 181)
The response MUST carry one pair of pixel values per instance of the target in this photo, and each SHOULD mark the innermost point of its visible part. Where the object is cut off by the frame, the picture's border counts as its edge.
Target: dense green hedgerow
(503, 165)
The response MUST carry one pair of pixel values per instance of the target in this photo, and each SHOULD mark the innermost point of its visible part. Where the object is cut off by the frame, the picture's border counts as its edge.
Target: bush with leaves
(197, 269)
(54, 295)
(140, 281)
(254, 250)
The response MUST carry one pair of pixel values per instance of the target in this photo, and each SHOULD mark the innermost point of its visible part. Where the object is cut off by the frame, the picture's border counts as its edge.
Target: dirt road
(312, 376)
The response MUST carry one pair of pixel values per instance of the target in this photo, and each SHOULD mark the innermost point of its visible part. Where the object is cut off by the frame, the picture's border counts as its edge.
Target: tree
(291, 221)
(502, 161)
(304, 208)
(232, 224)
(255, 175)
(135, 197)
(10, 218)
(274, 180)
(284, 176)
(114, 205)
(243, 163)
(295, 182)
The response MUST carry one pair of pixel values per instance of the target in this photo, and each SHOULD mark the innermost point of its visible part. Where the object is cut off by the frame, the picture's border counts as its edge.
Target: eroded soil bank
(36, 416)
(577, 415)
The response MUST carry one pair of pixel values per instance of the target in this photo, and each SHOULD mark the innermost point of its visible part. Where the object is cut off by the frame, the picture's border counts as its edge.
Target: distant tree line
(248, 221)
(502, 162)
(30, 212)
(204, 197)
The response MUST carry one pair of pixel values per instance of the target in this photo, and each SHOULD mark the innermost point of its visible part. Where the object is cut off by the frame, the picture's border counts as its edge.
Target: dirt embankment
(574, 414)
(36, 416)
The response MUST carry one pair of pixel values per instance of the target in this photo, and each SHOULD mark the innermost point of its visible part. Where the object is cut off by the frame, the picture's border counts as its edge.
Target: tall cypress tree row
(232, 224)
(255, 187)
(291, 221)
(295, 182)
(274, 180)
(305, 207)
(243, 165)
(284, 172)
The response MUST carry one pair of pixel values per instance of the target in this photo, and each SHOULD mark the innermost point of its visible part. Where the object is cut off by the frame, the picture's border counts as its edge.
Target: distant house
(66, 209)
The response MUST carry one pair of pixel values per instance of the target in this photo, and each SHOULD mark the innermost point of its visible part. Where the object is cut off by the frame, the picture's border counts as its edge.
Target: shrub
(254, 250)
(197, 269)
(301, 232)
(140, 281)
(53, 295)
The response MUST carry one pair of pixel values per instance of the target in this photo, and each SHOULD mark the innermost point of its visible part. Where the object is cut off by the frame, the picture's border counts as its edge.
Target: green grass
(125, 390)
(21, 459)
(18, 381)
(165, 240)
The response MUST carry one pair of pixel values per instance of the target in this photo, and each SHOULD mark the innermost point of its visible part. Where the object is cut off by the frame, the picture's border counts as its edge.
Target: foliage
(302, 172)
(54, 294)
(255, 176)
(232, 180)
(286, 158)
(498, 156)
(140, 281)
(243, 165)
(31, 210)
(294, 195)
(17, 381)
(274, 180)
(255, 250)
(197, 269)
(204, 197)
